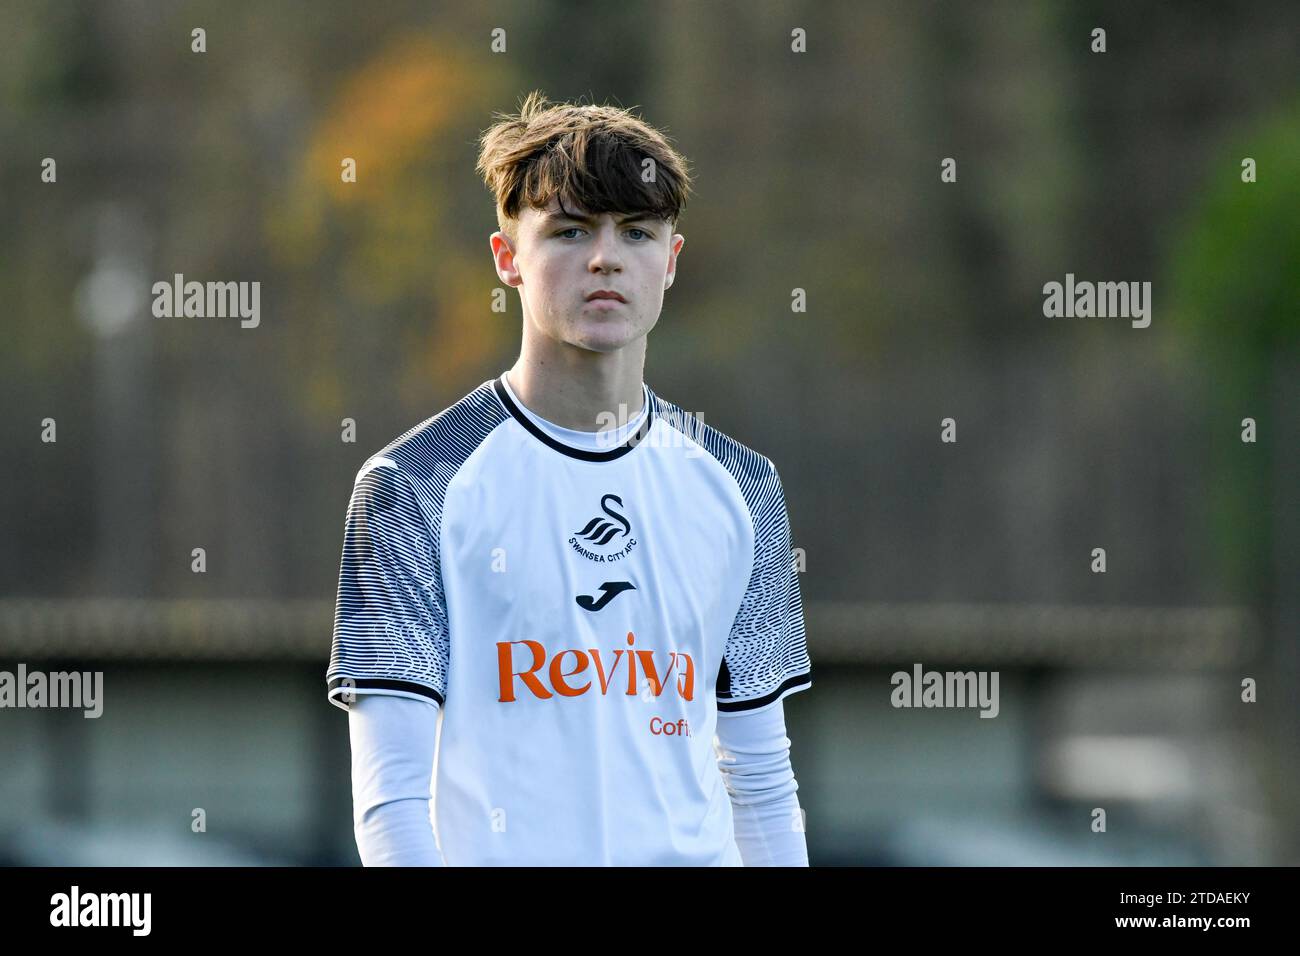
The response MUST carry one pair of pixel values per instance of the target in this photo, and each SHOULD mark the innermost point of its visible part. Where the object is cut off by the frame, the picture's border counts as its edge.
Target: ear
(674, 248)
(503, 257)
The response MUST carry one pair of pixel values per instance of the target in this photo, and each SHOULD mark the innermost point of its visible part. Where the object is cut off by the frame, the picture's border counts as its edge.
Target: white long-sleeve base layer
(754, 757)
(394, 740)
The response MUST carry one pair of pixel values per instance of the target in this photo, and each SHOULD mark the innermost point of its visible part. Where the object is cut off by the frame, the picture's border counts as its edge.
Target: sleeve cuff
(340, 687)
(787, 687)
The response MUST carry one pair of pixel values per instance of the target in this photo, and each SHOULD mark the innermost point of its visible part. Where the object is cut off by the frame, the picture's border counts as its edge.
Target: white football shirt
(579, 612)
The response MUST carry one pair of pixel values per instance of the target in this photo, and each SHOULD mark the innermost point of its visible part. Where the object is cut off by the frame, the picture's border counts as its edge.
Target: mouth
(605, 294)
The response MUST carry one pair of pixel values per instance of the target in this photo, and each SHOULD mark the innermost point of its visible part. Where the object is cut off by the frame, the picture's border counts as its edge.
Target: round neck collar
(588, 446)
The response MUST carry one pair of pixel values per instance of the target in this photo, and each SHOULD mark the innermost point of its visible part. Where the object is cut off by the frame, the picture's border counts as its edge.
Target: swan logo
(599, 530)
(603, 530)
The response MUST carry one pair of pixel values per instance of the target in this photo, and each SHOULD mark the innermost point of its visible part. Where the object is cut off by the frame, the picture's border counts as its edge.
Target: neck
(580, 389)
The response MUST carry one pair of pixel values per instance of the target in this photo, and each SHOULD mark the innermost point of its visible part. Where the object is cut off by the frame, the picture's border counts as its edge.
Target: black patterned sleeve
(767, 652)
(390, 621)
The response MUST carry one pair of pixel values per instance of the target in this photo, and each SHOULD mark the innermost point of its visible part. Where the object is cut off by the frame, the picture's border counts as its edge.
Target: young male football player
(564, 587)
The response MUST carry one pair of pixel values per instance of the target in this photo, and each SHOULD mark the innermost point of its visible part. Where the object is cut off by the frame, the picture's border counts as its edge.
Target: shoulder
(754, 472)
(734, 455)
(429, 453)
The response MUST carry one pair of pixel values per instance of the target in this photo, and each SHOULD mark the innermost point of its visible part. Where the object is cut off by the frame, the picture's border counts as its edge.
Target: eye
(642, 231)
(570, 229)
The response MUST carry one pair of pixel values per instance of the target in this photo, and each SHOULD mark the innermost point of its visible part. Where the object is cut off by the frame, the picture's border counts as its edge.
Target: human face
(559, 260)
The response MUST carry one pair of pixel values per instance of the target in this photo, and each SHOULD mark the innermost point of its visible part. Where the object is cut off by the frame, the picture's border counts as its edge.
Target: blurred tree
(1236, 292)
(398, 266)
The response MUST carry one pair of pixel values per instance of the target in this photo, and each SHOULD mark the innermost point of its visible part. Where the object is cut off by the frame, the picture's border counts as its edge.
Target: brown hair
(592, 156)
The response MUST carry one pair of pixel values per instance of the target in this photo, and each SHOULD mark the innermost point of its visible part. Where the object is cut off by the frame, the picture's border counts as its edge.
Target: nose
(605, 256)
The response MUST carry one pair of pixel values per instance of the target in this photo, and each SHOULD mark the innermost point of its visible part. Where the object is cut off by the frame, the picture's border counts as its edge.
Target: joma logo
(535, 677)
